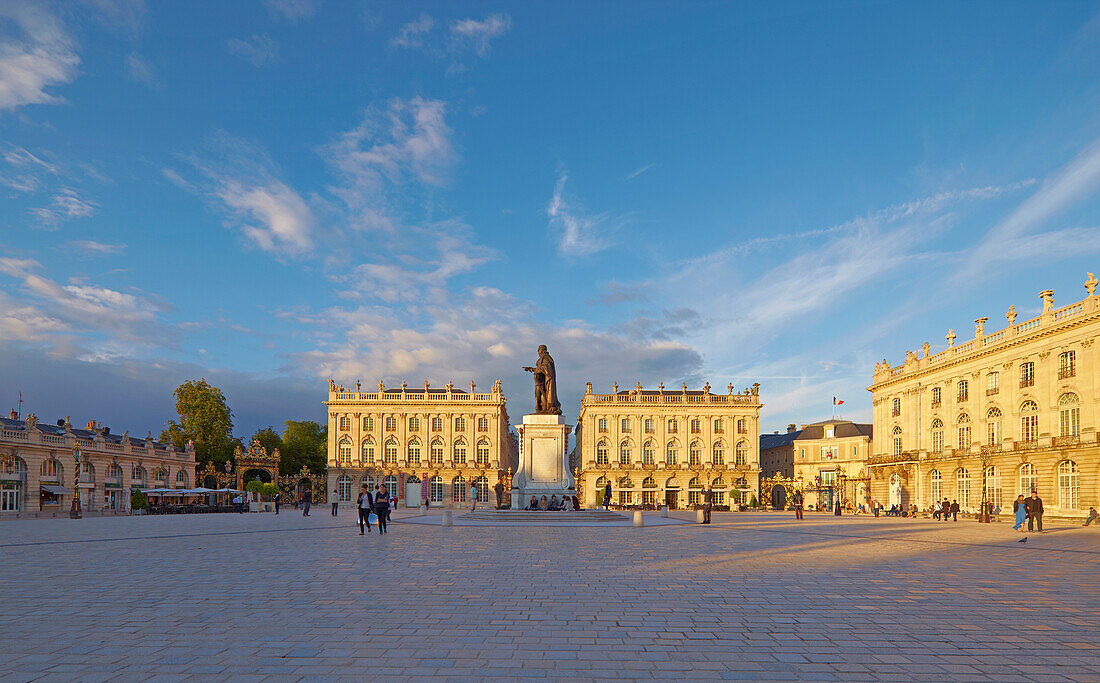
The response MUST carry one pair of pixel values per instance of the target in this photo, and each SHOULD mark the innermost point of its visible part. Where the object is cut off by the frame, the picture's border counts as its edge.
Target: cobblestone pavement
(753, 596)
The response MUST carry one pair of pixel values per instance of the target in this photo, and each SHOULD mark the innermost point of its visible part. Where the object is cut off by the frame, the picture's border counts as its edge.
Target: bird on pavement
(1022, 540)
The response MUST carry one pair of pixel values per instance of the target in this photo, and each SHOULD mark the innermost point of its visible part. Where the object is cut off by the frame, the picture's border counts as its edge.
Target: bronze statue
(546, 384)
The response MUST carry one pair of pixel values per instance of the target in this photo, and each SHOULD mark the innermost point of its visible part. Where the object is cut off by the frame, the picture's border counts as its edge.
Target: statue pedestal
(543, 460)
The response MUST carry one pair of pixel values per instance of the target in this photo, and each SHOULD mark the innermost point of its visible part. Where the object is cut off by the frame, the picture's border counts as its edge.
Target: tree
(206, 419)
(304, 443)
(268, 438)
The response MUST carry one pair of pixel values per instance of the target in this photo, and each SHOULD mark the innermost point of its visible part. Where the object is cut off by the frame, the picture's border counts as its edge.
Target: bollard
(700, 515)
(423, 510)
(638, 519)
(448, 520)
(664, 511)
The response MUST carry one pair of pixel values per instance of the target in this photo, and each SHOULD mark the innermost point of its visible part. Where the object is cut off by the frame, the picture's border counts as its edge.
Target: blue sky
(269, 194)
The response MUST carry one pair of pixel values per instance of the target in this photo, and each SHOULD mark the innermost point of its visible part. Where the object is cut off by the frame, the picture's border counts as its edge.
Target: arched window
(962, 487)
(390, 453)
(51, 469)
(460, 453)
(626, 483)
(366, 451)
(435, 489)
(695, 487)
(624, 453)
(1069, 485)
(672, 453)
(483, 454)
(343, 451)
(601, 482)
(1029, 422)
(647, 453)
(649, 483)
(1028, 480)
(937, 437)
(964, 432)
(993, 486)
(390, 484)
(935, 486)
(993, 426)
(181, 477)
(435, 455)
(458, 489)
(413, 452)
(343, 488)
(695, 453)
(139, 475)
(740, 454)
(602, 453)
(368, 481)
(1069, 415)
(482, 486)
(897, 441)
(160, 477)
(718, 491)
(717, 453)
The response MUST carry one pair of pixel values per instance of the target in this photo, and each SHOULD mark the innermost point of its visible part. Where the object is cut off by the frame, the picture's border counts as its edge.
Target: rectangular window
(741, 427)
(601, 425)
(345, 423)
(414, 424)
(368, 424)
(391, 424)
(1067, 364)
(718, 426)
(992, 383)
(937, 441)
(1029, 428)
(828, 452)
(695, 427)
(437, 424)
(1070, 421)
(460, 424)
(482, 424)
(1027, 375)
(649, 425)
(937, 396)
(964, 390)
(625, 425)
(964, 437)
(672, 425)
(828, 477)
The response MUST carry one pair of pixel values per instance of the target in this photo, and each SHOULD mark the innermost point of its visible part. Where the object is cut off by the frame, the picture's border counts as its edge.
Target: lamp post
(75, 511)
(983, 516)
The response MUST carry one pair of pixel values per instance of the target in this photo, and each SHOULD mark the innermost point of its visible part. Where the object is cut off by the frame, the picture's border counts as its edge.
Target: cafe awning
(56, 490)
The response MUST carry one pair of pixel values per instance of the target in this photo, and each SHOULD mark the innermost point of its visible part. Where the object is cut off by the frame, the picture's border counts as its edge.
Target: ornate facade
(831, 458)
(404, 437)
(777, 453)
(39, 463)
(666, 445)
(1000, 414)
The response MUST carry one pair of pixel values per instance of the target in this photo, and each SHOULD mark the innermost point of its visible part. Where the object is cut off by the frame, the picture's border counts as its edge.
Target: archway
(779, 497)
(305, 485)
(256, 473)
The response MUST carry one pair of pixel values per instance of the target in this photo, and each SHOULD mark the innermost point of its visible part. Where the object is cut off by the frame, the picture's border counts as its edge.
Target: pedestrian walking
(335, 501)
(365, 505)
(276, 498)
(382, 508)
(607, 496)
(955, 511)
(1019, 506)
(797, 500)
(876, 507)
(473, 498)
(1034, 511)
(307, 500)
(836, 507)
(239, 502)
(708, 504)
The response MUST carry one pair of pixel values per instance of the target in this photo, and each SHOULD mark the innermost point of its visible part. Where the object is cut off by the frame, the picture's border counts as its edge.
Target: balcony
(1028, 382)
(1067, 440)
(1066, 373)
(936, 404)
(895, 412)
(963, 398)
(992, 392)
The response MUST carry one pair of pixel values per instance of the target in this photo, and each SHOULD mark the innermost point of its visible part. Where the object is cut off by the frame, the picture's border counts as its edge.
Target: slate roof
(841, 428)
(86, 434)
(777, 440)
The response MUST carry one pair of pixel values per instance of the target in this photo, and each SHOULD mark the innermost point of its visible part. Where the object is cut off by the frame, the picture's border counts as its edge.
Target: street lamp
(75, 511)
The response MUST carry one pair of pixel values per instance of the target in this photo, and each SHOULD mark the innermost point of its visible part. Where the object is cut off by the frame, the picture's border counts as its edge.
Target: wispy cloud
(480, 33)
(638, 171)
(127, 16)
(36, 53)
(96, 248)
(413, 34)
(64, 206)
(578, 233)
(141, 71)
(259, 49)
(292, 10)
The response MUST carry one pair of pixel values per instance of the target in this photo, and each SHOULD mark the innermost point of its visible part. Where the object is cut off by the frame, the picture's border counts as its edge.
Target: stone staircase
(542, 518)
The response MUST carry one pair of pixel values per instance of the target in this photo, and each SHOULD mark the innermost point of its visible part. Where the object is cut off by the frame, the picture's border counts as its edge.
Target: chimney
(60, 422)
(106, 431)
(14, 415)
(790, 428)
(90, 426)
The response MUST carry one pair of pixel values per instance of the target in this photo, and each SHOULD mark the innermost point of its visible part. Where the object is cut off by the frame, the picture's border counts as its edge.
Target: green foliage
(304, 443)
(254, 486)
(268, 438)
(753, 503)
(138, 501)
(269, 490)
(206, 419)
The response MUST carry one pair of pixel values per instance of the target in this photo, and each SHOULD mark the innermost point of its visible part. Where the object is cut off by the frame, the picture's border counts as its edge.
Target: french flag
(837, 402)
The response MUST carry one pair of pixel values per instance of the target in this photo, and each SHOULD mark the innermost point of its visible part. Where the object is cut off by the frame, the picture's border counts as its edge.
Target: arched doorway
(779, 497)
(672, 494)
(255, 473)
(210, 481)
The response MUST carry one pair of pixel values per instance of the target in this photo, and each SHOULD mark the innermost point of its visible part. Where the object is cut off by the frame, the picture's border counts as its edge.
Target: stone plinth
(543, 460)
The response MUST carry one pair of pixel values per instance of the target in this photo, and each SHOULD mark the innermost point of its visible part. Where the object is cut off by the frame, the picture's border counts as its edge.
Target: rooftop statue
(546, 384)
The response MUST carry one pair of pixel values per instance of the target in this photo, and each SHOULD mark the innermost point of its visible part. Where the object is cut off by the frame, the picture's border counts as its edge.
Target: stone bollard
(700, 515)
(664, 511)
(448, 519)
(423, 510)
(638, 519)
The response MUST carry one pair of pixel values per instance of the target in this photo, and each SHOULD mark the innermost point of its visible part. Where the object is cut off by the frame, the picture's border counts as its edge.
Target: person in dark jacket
(1034, 507)
(607, 496)
(954, 510)
(382, 508)
(708, 504)
(276, 498)
(797, 500)
(307, 500)
(365, 504)
(335, 501)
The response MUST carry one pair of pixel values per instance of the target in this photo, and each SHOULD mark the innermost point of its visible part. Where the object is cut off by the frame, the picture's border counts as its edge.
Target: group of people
(566, 504)
(372, 504)
(948, 508)
(1029, 509)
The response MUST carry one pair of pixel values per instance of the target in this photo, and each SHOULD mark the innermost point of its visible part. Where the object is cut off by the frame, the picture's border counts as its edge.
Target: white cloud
(293, 10)
(480, 33)
(273, 216)
(638, 171)
(259, 49)
(127, 15)
(96, 248)
(64, 206)
(142, 72)
(578, 233)
(412, 34)
(36, 53)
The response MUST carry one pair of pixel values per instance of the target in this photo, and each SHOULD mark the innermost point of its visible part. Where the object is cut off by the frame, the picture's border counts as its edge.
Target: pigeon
(1022, 540)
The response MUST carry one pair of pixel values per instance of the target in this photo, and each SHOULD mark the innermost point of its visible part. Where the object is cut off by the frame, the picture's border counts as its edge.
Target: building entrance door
(9, 496)
(113, 499)
(670, 499)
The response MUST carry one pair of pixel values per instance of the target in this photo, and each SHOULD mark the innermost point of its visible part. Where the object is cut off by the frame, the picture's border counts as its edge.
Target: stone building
(38, 464)
(831, 460)
(777, 453)
(666, 446)
(402, 437)
(1000, 414)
